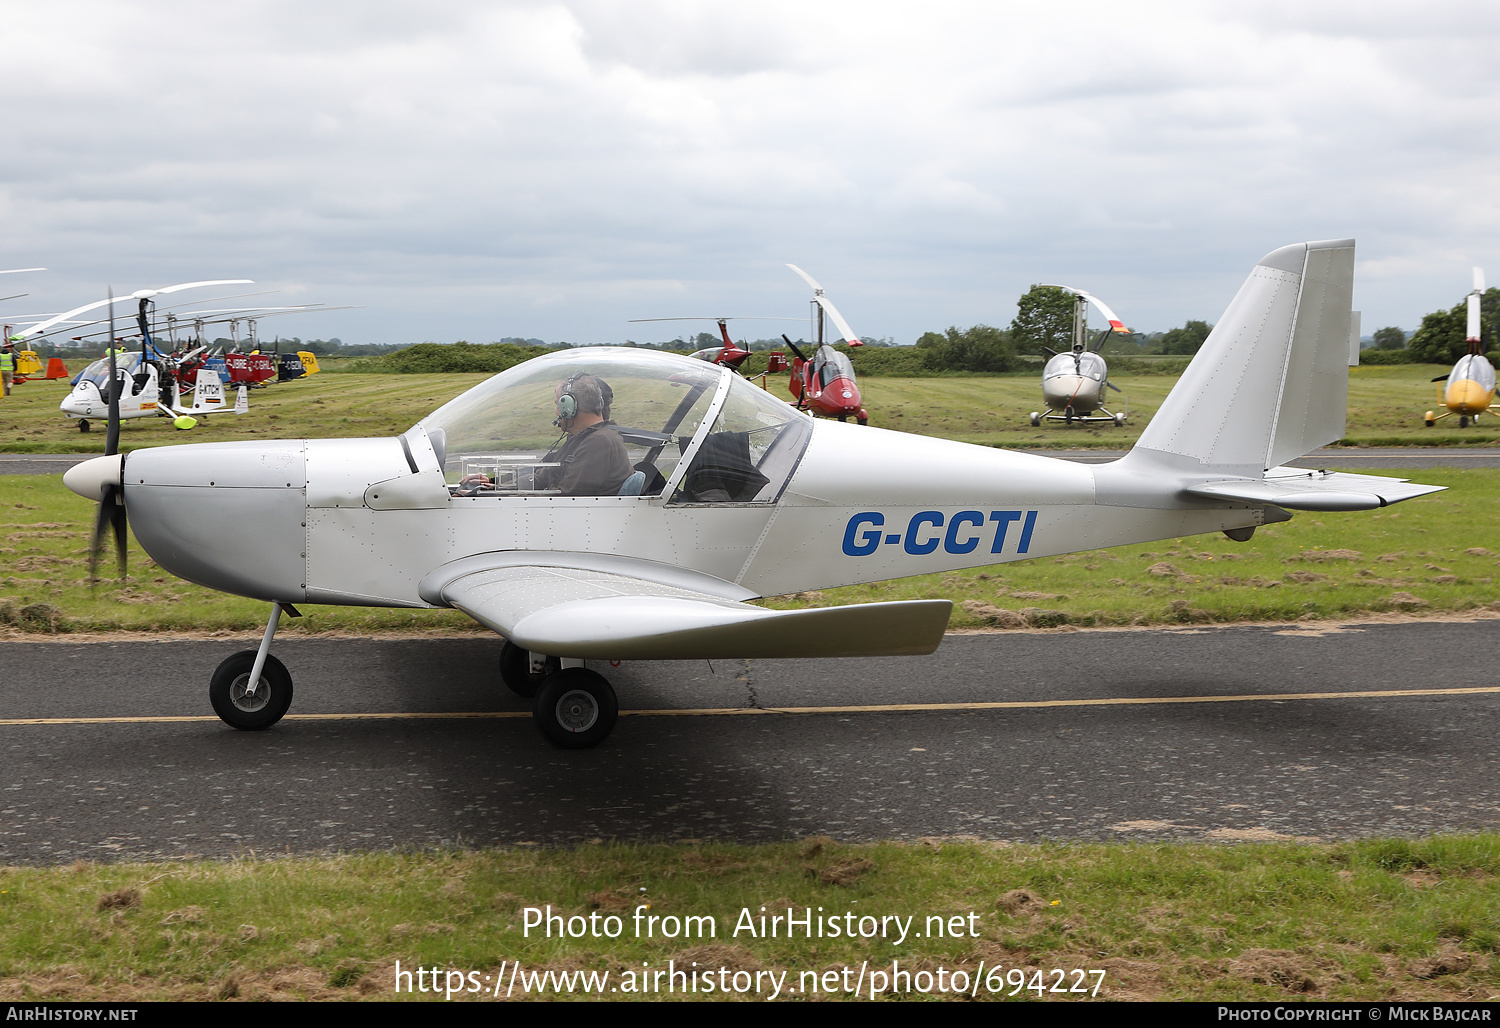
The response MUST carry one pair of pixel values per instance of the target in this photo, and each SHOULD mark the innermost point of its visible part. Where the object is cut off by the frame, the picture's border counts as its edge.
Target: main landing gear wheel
(83, 424)
(864, 421)
(1463, 421)
(515, 670)
(1036, 420)
(238, 704)
(576, 708)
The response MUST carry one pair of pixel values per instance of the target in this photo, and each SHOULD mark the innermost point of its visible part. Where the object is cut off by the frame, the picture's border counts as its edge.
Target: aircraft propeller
(800, 355)
(112, 500)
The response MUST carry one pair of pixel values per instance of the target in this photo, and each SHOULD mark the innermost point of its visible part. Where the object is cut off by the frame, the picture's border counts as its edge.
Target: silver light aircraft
(733, 495)
(1073, 382)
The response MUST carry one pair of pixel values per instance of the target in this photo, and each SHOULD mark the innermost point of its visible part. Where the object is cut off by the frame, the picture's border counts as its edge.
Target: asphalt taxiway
(111, 751)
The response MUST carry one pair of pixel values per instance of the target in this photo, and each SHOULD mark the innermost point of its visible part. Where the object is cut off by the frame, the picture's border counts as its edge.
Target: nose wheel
(576, 708)
(252, 690)
(246, 706)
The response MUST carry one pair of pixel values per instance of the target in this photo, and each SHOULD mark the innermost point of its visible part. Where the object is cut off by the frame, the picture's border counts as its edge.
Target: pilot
(593, 461)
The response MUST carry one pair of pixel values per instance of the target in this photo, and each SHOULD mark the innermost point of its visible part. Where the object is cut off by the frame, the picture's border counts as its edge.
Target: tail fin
(1271, 382)
(208, 392)
(242, 400)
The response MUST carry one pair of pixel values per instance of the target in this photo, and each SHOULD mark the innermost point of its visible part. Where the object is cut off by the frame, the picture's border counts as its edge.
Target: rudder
(1271, 382)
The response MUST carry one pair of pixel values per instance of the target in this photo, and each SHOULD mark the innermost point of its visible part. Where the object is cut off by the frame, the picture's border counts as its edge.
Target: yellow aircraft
(1471, 384)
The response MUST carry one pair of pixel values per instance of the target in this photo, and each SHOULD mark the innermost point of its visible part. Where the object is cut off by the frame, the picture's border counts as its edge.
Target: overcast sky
(552, 169)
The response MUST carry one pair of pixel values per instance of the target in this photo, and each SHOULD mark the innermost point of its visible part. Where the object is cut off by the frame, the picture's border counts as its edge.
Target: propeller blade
(112, 439)
(1113, 386)
(800, 355)
(96, 539)
(111, 507)
(117, 522)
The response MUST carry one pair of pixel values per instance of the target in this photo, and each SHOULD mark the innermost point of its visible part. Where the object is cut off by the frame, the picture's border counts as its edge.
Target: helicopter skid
(1105, 417)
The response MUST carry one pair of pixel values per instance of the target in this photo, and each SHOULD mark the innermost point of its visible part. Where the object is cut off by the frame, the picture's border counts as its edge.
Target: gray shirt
(594, 463)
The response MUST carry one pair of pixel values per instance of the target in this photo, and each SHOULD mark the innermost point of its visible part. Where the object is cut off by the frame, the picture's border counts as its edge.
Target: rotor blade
(800, 355)
(41, 327)
(705, 317)
(1473, 320)
(1478, 280)
(145, 294)
(16, 271)
(15, 296)
(817, 289)
(1115, 324)
(838, 320)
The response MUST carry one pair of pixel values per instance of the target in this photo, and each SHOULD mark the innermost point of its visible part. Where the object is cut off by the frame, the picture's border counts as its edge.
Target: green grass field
(1385, 409)
(1276, 921)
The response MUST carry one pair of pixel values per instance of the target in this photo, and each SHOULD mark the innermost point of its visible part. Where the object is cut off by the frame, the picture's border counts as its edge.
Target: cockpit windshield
(1474, 368)
(98, 372)
(832, 365)
(508, 430)
(1087, 364)
(642, 411)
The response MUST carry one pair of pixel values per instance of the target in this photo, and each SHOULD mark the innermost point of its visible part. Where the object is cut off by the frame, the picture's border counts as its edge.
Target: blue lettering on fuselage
(927, 530)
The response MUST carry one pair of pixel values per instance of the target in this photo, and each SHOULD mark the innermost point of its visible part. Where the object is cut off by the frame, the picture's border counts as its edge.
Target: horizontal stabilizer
(579, 612)
(1296, 489)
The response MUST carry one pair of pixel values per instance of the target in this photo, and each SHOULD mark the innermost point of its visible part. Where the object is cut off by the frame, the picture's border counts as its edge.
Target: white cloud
(552, 169)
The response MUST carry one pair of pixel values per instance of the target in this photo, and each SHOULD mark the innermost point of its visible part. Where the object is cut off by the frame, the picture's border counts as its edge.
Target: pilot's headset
(567, 403)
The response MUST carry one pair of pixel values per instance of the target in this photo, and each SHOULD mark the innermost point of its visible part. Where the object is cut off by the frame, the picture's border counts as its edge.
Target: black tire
(1463, 421)
(262, 709)
(83, 424)
(864, 421)
(515, 670)
(576, 709)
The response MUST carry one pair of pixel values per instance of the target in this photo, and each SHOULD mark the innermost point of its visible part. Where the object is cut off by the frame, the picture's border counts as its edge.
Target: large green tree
(1441, 337)
(1044, 317)
(1187, 339)
(1390, 338)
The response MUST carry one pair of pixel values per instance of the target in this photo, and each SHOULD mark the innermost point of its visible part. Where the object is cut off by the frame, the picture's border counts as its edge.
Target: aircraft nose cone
(89, 478)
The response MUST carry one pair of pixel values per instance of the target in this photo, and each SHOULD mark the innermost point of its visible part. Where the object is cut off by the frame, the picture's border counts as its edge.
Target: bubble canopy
(738, 443)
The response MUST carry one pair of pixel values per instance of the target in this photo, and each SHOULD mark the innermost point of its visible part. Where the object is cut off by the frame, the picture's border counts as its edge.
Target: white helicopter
(1073, 383)
(732, 495)
(1470, 389)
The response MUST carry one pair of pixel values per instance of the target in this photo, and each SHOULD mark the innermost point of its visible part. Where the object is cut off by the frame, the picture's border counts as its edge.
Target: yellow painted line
(879, 708)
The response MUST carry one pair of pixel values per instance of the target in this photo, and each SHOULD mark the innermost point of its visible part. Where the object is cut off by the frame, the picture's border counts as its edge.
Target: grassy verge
(1424, 556)
(1366, 920)
(1385, 409)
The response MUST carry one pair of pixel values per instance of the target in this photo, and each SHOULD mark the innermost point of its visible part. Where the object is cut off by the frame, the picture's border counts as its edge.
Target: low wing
(1296, 489)
(588, 612)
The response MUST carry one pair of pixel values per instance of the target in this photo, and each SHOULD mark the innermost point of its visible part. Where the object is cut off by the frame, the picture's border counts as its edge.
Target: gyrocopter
(623, 504)
(1073, 382)
(1469, 389)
